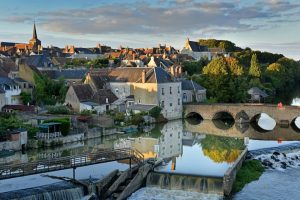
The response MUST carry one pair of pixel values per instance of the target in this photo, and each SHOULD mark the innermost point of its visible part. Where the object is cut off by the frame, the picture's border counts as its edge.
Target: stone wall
(230, 174)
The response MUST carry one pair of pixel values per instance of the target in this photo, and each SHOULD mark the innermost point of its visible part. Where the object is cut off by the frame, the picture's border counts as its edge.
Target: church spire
(34, 35)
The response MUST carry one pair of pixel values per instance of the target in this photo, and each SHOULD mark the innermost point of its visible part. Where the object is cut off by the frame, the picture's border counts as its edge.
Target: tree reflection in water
(222, 149)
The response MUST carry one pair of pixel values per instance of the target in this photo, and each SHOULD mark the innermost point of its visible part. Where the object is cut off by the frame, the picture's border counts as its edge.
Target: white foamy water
(152, 193)
(266, 122)
(273, 185)
(296, 102)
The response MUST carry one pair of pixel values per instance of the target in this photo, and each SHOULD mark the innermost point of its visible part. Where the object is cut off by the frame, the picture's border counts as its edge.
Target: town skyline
(262, 26)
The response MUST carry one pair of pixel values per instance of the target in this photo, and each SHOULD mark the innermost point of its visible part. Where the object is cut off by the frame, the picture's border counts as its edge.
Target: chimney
(66, 49)
(72, 49)
(172, 70)
(179, 70)
(143, 76)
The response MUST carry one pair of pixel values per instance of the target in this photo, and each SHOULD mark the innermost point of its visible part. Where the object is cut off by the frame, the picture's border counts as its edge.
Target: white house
(11, 91)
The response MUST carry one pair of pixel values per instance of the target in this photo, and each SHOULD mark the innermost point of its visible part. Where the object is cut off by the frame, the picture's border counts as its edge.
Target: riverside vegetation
(228, 79)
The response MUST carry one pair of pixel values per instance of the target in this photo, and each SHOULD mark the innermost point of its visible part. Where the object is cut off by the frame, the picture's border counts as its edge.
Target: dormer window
(106, 100)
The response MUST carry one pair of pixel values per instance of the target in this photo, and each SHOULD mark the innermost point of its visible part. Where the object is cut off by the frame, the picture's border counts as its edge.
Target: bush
(58, 110)
(137, 119)
(65, 125)
(155, 112)
(86, 113)
(250, 171)
(119, 117)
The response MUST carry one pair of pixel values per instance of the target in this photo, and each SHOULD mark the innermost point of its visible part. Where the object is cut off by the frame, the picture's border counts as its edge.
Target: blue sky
(267, 25)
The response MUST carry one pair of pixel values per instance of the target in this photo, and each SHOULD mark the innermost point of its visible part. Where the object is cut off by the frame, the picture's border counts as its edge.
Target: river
(196, 157)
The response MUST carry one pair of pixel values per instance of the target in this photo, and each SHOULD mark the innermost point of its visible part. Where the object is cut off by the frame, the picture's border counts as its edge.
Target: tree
(26, 98)
(217, 66)
(155, 112)
(254, 69)
(195, 67)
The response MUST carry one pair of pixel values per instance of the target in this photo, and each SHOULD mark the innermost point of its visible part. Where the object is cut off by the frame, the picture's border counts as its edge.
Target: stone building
(192, 92)
(148, 86)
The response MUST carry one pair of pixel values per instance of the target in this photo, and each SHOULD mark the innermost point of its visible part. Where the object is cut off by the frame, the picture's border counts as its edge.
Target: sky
(266, 25)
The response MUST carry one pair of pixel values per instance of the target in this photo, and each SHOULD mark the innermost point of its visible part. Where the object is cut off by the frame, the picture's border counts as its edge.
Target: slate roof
(196, 47)
(65, 73)
(101, 95)
(7, 81)
(40, 60)
(190, 85)
(81, 50)
(85, 93)
(99, 81)
(162, 62)
(128, 74)
(257, 91)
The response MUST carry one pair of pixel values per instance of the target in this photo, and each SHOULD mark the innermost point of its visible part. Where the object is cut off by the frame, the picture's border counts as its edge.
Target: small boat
(130, 129)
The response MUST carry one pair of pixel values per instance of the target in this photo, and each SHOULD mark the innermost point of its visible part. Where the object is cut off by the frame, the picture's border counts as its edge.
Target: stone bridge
(244, 112)
(243, 130)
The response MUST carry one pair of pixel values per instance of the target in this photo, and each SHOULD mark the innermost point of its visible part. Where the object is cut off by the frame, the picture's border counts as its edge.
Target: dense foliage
(155, 112)
(224, 44)
(229, 79)
(48, 91)
(26, 98)
(58, 110)
(11, 122)
(195, 66)
(95, 63)
(250, 171)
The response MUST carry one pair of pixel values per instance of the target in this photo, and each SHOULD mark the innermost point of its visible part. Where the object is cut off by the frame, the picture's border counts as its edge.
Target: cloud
(168, 17)
(17, 19)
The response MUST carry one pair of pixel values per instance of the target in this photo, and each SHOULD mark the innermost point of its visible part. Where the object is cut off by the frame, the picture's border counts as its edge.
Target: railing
(108, 155)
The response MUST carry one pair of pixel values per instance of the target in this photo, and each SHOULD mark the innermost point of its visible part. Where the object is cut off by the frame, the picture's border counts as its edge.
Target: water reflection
(188, 148)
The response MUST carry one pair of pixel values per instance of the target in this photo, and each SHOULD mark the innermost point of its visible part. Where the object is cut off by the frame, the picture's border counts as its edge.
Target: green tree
(26, 98)
(217, 66)
(155, 112)
(254, 69)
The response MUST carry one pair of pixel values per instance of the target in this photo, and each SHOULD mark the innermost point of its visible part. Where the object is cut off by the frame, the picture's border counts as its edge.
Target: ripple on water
(152, 193)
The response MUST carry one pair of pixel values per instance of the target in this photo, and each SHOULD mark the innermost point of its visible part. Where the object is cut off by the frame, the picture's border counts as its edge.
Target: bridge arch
(254, 121)
(223, 120)
(294, 124)
(194, 118)
(223, 114)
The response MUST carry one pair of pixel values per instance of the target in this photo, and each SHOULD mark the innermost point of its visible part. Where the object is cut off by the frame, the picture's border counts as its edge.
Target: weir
(56, 191)
(211, 185)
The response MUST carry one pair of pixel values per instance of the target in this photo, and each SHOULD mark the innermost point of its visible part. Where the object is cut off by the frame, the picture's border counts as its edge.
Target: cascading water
(56, 191)
(185, 182)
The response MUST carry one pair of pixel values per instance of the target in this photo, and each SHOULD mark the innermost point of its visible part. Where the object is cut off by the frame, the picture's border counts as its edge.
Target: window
(179, 102)
(162, 91)
(117, 90)
(170, 90)
(178, 88)
(162, 104)
(171, 104)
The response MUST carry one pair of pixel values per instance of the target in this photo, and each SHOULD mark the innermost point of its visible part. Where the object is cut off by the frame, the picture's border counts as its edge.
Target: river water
(196, 157)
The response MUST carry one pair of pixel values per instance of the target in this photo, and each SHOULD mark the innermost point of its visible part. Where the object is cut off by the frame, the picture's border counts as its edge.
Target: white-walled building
(11, 91)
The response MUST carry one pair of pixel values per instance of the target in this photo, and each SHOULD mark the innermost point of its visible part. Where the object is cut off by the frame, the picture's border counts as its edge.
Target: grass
(250, 171)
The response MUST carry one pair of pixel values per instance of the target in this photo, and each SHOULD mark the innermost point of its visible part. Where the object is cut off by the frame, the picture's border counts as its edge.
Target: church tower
(34, 40)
